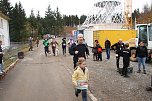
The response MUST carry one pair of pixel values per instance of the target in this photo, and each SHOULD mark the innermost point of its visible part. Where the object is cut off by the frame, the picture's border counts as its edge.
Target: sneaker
(126, 76)
(149, 89)
(138, 71)
(144, 72)
(76, 94)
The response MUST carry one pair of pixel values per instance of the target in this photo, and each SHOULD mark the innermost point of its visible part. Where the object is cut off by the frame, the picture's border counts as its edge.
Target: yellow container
(113, 36)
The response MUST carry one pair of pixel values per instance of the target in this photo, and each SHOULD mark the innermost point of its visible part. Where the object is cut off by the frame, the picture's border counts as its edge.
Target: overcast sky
(68, 7)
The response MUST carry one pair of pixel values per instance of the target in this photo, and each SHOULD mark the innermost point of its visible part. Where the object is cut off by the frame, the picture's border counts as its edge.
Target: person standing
(119, 46)
(80, 79)
(64, 46)
(141, 54)
(37, 41)
(94, 51)
(126, 54)
(46, 45)
(70, 42)
(30, 43)
(1, 59)
(99, 50)
(54, 46)
(107, 47)
(78, 49)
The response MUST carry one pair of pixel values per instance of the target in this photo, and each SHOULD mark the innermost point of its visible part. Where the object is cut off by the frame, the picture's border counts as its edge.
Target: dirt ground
(108, 85)
(105, 83)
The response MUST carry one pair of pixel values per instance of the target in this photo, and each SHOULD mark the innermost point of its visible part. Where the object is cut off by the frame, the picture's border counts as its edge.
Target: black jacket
(64, 44)
(118, 47)
(82, 51)
(141, 51)
(1, 55)
(107, 44)
(126, 53)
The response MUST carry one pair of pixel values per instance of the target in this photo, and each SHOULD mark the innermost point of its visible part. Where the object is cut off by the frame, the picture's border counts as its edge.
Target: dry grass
(11, 55)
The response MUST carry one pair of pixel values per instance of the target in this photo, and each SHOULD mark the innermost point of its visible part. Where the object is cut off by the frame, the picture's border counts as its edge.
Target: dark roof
(4, 16)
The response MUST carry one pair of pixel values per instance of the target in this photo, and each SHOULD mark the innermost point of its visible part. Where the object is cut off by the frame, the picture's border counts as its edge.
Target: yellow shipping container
(113, 36)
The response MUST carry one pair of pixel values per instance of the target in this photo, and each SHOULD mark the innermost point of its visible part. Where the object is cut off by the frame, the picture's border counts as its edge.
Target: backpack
(99, 49)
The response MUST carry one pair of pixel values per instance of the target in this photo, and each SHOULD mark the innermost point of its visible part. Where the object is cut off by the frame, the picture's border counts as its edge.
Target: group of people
(97, 50)
(122, 50)
(31, 43)
(79, 51)
(53, 45)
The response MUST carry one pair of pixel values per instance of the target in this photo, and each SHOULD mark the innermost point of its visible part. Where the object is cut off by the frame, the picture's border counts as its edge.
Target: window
(150, 33)
(2, 39)
(143, 33)
(1, 23)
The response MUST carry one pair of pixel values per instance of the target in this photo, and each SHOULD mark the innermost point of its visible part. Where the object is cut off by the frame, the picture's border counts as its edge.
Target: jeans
(53, 50)
(100, 56)
(141, 60)
(64, 50)
(84, 94)
(46, 50)
(108, 53)
(117, 61)
(1, 67)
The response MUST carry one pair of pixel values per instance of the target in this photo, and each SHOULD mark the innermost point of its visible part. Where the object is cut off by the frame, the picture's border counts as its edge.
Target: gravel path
(107, 84)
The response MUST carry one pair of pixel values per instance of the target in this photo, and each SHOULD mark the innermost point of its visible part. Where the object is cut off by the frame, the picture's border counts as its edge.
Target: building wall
(113, 36)
(4, 33)
(88, 36)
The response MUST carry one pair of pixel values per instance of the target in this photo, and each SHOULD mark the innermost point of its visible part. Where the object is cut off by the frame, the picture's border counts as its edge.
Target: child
(99, 50)
(64, 46)
(46, 46)
(37, 41)
(80, 78)
(126, 60)
(94, 51)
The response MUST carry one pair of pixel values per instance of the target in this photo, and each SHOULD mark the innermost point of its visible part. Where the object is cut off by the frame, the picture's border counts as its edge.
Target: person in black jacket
(119, 46)
(107, 47)
(141, 54)
(1, 59)
(126, 54)
(64, 46)
(78, 49)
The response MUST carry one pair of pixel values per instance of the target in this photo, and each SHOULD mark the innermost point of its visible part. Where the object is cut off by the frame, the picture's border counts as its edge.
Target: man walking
(107, 47)
(1, 59)
(64, 46)
(78, 49)
(119, 46)
(30, 43)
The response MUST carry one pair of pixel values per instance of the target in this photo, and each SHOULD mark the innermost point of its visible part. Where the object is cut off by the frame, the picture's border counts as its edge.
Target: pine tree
(33, 23)
(82, 19)
(5, 7)
(17, 24)
(39, 24)
(59, 22)
(49, 23)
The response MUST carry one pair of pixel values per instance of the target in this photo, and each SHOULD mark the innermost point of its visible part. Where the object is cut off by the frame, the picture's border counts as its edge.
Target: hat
(96, 41)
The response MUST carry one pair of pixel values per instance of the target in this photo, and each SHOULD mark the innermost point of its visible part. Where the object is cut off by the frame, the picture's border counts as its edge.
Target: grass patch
(11, 55)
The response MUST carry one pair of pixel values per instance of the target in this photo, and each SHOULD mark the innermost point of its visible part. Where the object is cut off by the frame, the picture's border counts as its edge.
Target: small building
(4, 31)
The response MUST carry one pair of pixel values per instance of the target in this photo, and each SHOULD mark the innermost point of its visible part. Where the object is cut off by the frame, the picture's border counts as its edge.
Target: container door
(150, 36)
(95, 36)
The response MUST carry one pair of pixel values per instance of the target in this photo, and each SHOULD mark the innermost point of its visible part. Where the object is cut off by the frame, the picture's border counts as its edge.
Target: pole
(151, 80)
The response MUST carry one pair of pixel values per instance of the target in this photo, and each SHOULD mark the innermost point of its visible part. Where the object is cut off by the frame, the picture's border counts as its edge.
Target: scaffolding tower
(110, 13)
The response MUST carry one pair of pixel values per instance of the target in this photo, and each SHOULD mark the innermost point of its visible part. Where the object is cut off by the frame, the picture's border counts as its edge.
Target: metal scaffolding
(106, 12)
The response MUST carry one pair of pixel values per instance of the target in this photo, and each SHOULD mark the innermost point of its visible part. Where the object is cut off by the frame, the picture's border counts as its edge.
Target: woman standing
(141, 54)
